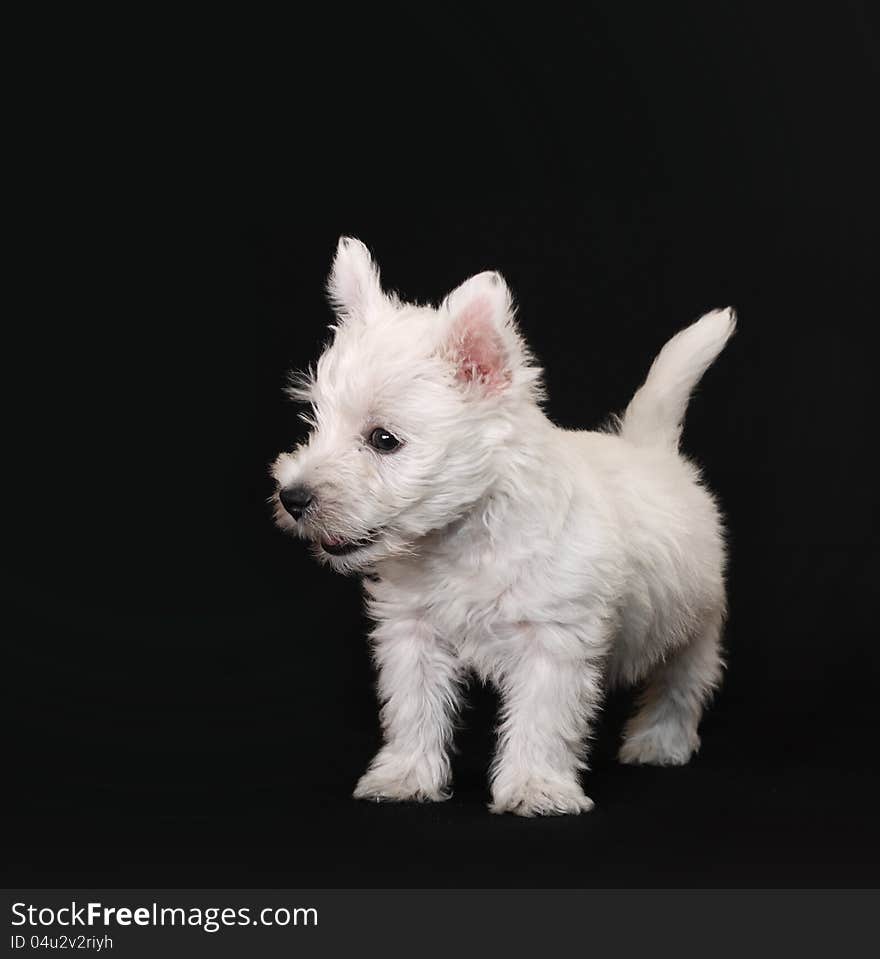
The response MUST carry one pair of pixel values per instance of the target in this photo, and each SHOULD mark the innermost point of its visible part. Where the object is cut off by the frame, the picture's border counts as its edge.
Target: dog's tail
(655, 414)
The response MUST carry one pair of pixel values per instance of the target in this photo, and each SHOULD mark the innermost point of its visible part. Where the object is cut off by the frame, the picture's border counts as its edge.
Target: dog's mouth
(342, 547)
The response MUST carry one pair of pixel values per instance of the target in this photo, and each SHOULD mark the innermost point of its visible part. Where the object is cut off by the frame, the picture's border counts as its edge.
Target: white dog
(549, 562)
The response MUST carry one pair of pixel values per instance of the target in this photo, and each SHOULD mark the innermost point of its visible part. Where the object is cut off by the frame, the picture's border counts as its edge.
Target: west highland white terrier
(549, 562)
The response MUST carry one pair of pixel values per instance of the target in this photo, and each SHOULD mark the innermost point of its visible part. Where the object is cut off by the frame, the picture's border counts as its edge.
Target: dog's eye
(383, 441)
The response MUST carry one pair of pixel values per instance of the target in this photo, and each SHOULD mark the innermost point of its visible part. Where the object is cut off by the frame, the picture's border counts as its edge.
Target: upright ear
(481, 341)
(353, 284)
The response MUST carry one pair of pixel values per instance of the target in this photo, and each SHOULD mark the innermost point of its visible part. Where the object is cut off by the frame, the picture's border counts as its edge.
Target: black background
(190, 696)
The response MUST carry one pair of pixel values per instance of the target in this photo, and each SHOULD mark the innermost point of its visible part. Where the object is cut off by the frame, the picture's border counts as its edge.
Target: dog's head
(411, 411)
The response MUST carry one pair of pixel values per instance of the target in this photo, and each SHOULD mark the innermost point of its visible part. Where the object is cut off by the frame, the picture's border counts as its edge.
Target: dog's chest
(464, 606)
(470, 598)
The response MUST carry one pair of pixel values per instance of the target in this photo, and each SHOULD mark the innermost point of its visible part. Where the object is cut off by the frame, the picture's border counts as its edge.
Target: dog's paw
(392, 779)
(665, 744)
(540, 796)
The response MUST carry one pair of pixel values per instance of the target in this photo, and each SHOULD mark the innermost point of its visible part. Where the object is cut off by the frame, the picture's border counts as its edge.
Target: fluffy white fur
(549, 562)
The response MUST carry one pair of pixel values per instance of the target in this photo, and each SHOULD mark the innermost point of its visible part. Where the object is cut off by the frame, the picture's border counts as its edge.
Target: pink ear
(477, 348)
(476, 341)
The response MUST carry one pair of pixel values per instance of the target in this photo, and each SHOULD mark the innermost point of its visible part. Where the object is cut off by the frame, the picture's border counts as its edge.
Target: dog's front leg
(550, 682)
(419, 691)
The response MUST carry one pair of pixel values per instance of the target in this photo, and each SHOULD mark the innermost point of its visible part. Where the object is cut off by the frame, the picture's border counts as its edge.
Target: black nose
(296, 500)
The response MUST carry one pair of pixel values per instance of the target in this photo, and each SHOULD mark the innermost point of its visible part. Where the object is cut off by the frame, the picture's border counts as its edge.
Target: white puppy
(549, 562)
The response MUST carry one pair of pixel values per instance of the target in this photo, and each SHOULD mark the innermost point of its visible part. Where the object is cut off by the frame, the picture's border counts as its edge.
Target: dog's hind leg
(663, 731)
